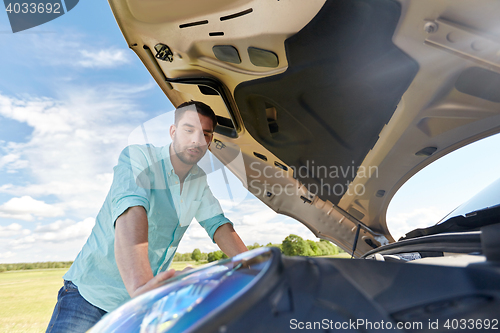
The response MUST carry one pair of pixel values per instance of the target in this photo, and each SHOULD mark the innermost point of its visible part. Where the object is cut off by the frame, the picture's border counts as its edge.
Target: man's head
(199, 107)
(192, 131)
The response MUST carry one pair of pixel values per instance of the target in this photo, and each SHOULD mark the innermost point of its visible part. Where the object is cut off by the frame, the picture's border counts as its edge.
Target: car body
(341, 102)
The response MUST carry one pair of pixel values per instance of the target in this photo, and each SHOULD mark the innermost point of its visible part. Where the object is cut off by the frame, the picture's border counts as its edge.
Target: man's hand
(159, 280)
(155, 282)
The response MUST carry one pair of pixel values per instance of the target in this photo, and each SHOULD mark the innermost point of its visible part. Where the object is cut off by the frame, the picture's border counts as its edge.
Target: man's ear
(172, 131)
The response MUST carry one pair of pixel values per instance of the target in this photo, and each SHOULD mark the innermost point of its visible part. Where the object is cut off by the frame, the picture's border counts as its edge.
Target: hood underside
(340, 100)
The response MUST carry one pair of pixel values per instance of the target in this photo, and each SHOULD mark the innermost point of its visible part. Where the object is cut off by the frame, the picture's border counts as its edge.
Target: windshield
(482, 210)
(487, 198)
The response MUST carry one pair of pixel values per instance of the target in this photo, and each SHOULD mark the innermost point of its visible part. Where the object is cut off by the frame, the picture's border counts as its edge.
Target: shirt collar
(168, 163)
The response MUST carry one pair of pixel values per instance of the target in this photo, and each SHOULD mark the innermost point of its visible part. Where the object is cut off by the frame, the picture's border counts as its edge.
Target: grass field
(343, 255)
(27, 298)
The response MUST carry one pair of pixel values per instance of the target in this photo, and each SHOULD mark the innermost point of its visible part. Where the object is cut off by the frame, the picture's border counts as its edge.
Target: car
(332, 106)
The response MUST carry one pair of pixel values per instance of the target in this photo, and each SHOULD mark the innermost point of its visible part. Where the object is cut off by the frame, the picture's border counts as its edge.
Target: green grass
(180, 265)
(340, 255)
(27, 298)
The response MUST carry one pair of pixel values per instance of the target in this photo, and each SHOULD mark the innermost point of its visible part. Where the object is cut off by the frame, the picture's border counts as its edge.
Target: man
(155, 194)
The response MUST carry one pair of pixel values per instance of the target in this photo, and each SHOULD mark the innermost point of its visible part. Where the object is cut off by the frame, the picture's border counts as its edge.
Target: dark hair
(199, 107)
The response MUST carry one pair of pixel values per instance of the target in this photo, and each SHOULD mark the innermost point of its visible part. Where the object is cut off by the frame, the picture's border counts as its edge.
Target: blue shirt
(143, 177)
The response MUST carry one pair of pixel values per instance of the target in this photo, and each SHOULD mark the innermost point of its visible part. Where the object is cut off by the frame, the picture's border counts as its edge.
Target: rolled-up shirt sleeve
(212, 224)
(131, 181)
(210, 215)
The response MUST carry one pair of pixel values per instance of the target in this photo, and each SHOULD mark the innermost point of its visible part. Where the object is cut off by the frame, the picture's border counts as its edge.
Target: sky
(72, 96)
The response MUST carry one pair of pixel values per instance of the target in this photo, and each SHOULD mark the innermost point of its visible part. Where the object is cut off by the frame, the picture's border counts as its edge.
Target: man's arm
(228, 240)
(131, 253)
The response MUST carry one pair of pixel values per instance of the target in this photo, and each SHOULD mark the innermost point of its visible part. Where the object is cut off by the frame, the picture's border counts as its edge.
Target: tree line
(35, 265)
(292, 245)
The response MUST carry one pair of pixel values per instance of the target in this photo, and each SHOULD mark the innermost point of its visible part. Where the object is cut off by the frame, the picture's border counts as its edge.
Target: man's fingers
(186, 269)
(165, 275)
(160, 278)
(154, 282)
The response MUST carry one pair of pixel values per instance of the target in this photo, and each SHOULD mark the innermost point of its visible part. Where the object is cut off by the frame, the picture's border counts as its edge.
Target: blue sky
(71, 95)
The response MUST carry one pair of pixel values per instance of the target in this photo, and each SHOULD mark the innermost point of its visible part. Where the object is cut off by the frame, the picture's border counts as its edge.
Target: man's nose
(199, 139)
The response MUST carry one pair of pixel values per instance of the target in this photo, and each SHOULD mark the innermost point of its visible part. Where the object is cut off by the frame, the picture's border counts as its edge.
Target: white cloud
(257, 223)
(401, 223)
(103, 58)
(23, 217)
(253, 221)
(7, 255)
(53, 227)
(61, 231)
(74, 145)
(11, 230)
(26, 208)
(57, 241)
(12, 162)
(69, 49)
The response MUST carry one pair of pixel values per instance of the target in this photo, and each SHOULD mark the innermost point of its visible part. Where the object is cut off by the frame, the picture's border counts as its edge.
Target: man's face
(191, 137)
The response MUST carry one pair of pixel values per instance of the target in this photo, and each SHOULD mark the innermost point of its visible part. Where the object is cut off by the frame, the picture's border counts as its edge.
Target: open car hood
(333, 104)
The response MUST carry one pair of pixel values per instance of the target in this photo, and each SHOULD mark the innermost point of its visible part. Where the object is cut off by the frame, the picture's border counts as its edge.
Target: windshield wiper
(474, 212)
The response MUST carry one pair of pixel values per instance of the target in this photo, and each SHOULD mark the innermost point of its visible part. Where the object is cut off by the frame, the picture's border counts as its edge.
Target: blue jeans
(72, 313)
